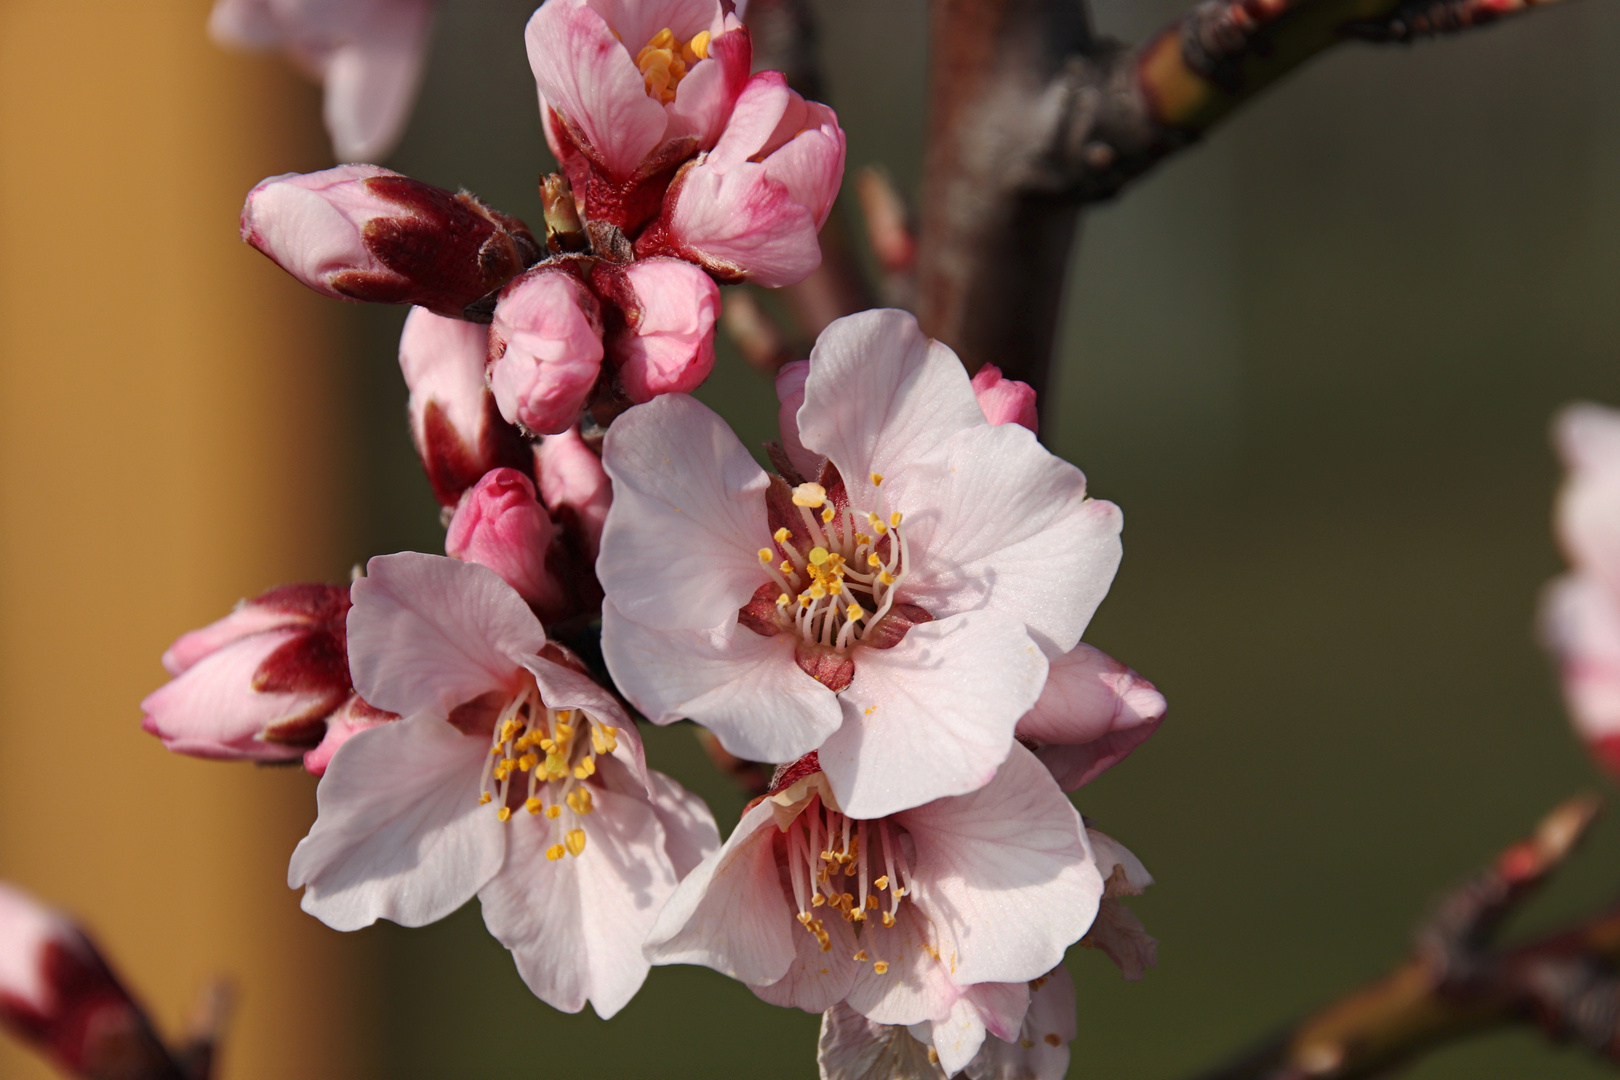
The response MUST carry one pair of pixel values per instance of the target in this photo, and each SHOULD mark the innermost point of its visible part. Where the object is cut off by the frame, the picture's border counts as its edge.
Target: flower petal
(855, 1048)
(372, 79)
(1093, 712)
(745, 688)
(399, 834)
(1580, 623)
(1041, 1051)
(1001, 1006)
(564, 688)
(690, 834)
(957, 1038)
(681, 544)
(916, 987)
(932, 716)
(428, 633)
(1005, 874)
(816, 980)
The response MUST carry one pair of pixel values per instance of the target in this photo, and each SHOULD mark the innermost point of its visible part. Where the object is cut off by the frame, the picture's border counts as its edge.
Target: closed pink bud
(457, 428)
(351, 718)
(58, 994)
(667, 343)
(575, 488)
(751, 207)
(360, 232)
(258, 684)
(500, 524)
(1005, 401)
(545, 350)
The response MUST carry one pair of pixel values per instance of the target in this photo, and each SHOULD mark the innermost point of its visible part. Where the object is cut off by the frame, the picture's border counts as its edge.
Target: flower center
(664, 62)
(554, 751)
(834, 592)
(842, 865)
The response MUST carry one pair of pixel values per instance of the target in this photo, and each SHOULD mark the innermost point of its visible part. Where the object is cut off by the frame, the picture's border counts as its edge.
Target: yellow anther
(565, 730)
(782, 536)
(485, 799)
(871, 902)
(528, 761)
(877, 478)
(783, 600)
(888, 918)
(548, 746)
(818, 556)
(787, 568)
(533, 805)
(575, 841)
(817, 591)
(610, 737)
(564, 715)
(698, 48)
(805, 918)
(873, 561)
(881, 967)
(504, 813)
(886, 577)
(835, 587)
(494, 751)
(765, 556)
(804, 600)
(861, 956)
(579, 801)
(809, 495)
(555, 765)
(553, 811)
(894, 520)
(554, 852)
(854, 613)
(817, 900)
(584, 768)
(828, 514)
(881, 883)
(862, 538)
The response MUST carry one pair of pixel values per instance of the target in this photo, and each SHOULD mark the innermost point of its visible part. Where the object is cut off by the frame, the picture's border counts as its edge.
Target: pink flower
(1005, 401)
(988, 887)
(501, 524)
(1580, 612)
(350, 719)
(545, 349)
(752, 206)
(666, 345)
(258, 684)
(1091, 714)
(513, 777)
(367, 53)
(576, 490)
(630, 88)
(898, 612)
(457, 428)
(59, 995)
(360, 232)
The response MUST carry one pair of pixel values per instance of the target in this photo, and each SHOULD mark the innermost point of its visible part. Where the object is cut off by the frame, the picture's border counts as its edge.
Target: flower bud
(667, 343)
(1005, 401)
(751, 207)
(59, 995)
(360, 232)
(351, 718)
(545, 350)
(457, 428)
(500, 524)
(576, 489)
(790, 393)
(258, 684)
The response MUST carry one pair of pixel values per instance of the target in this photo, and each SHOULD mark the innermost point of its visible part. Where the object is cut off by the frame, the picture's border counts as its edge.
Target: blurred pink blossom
(1005, 401)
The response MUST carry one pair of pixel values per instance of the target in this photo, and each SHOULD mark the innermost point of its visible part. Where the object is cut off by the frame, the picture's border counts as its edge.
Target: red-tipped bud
(1005, 401)
(351, 718)
(501, 524)
(258, 684)
(360, 232)
(455, 423)
(545, 349)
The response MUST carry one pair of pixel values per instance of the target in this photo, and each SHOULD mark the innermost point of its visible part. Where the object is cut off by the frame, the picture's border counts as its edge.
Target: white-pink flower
(637, 85)
(1581, 611)
(513, 777)
(897, 611)
(988, 887)
(751, 207)
(367, 53)
(545, 349)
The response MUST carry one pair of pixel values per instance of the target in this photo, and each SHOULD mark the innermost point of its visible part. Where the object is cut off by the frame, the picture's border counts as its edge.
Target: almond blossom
(1581, 611)
(1092, 712)
(898, 611)
(512, 777)
(811, 906)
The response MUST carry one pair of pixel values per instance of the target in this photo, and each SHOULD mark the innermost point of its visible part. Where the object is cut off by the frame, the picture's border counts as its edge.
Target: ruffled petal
(745, 688)
(855, 1048)
(682, 540)
(1041, 1050)
(1001, 1006)
(1005, 874)
(399, 833)
(932, 716)
(428, 633)
(957, 1038)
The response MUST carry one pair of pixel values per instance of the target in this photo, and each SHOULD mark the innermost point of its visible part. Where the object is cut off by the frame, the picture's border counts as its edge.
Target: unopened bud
(575, 488)
(501, 524)
(361, 232)
(350, 719)
(564, 230)
(545, 350)
(667, 343)
(1005, 401)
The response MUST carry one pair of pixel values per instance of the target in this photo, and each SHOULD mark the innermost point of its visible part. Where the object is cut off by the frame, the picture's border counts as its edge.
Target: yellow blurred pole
(166, 446)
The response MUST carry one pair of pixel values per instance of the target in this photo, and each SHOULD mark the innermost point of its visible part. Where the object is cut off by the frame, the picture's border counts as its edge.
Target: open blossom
(360, 232)
(258, 684)
(545, 349)
(988, 887)
(898, 611)
(513, 777)
(455, 423)
(751, 207)
(366, 53)
(631, 89)
(1581, 611)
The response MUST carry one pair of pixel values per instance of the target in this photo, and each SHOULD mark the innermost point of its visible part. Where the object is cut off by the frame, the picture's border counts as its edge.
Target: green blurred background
(1314, 361)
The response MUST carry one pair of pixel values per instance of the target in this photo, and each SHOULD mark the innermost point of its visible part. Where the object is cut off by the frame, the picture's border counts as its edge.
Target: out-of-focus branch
(1456, 982)
(1031, 117)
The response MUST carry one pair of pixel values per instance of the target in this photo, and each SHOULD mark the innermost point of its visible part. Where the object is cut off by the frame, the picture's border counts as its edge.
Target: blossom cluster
(891, 616)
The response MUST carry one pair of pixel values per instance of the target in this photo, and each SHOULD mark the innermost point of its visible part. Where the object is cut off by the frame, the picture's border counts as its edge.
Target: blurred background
(1314, 361)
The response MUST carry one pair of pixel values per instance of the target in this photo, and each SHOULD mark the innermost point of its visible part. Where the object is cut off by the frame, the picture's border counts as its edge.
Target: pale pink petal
(311, 225)
(704, 99)
(743, 223)
(351, 718)
(690, 834)
(1005, 401)
(998, 522)
(371, 81)
(575, 925)
(855, 1048)
(428, 633)
(1001, 1006)
(956, 1038)
(562, 687)
(730, 913)
(399, 834)
(669, 349)
(443, 360)
(745, 688)
(1041, 1051)
(681, 544)
(246, 620)
(591, 79)
(881, 396)
(757, 114)
(27, 930)
(816, 980)
(790, 393)
(1112, 856)
(934, 715)
(1092, 713)
(811, 164)
(545, 350)
(636, 21)
(916, 987)
(1580, 623)
(1004, 874)
(574, 486)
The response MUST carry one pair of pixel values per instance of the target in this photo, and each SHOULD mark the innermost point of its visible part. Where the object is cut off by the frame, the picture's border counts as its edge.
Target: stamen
(809, 494)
